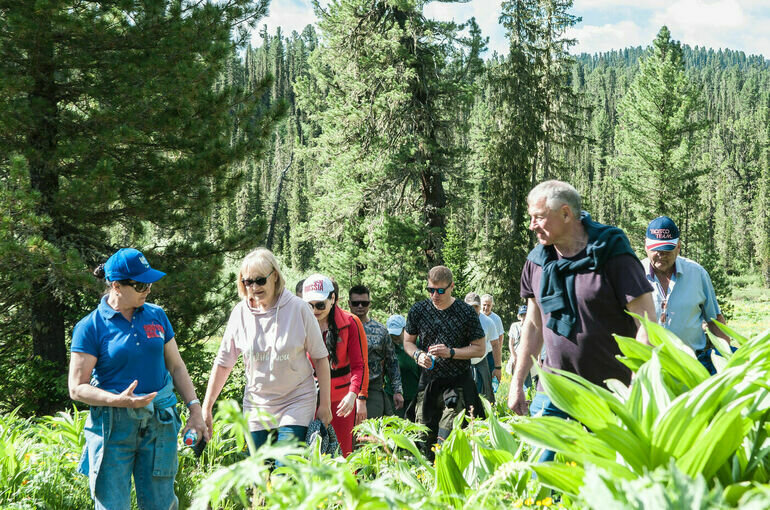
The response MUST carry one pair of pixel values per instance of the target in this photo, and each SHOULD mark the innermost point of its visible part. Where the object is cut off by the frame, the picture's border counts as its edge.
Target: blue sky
(607, 24)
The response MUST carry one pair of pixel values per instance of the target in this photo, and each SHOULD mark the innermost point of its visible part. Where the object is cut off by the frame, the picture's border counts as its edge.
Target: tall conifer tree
(656, 135)
(113, 133)
(385, 90)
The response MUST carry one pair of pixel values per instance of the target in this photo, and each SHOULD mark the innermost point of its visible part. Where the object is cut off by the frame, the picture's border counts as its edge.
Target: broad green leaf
(449, 478)
(619, 389)
(740, 339)
(723, 436)
(459, 447)
(500, 437)
(676, 431)
(721, 345)
(675, 357)
(616, 405)
(649, 395)
(577, 401)
(561, 477)
(633, 348)
(487, 461)
(565, 436)
(633, 449)
(407, 444)
(733, 492)
(719, 362)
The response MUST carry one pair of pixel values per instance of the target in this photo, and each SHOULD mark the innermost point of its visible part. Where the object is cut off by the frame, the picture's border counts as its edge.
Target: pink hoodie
(275, 345)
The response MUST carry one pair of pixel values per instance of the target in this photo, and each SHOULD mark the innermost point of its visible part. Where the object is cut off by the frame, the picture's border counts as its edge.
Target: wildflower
(539, 503)
(27, 456)
(548, 501)
(529, 501)
(25, 482)
(518, 504)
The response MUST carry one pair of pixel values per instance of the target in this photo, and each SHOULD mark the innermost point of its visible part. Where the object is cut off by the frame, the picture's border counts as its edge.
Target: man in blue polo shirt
(683, 294)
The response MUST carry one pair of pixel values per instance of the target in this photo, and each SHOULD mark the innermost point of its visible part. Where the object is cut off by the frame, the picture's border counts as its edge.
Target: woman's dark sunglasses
(138, 286)
(440, 291)
(360, 303)
(319, 305)
(248, 282)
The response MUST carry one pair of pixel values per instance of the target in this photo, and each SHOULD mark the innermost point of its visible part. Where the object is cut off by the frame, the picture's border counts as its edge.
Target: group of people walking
(306, 358)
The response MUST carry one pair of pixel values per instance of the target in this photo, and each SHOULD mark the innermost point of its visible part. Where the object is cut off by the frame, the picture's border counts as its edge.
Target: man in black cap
(683, 294)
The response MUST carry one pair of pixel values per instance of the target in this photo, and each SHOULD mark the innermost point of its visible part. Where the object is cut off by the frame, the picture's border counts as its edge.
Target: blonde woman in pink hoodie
(276, 332)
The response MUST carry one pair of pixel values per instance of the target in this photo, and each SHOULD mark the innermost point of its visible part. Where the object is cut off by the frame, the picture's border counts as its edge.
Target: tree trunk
(273, 220)
(434, 200)
(47, 313)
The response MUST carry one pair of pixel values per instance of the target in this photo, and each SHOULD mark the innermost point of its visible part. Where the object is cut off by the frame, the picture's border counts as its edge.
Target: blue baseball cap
(522, 310)
(662, 234)
(395, 324)
(130, 264)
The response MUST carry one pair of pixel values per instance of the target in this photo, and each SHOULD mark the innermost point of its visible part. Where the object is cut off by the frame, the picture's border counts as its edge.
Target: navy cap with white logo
(662, 234)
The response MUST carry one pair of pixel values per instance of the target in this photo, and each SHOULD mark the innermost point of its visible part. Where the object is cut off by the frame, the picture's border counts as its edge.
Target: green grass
(751, 302)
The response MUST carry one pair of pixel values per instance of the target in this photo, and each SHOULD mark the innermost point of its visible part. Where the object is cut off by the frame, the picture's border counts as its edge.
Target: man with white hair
(479, 366)
(496, 359)
(579, 281)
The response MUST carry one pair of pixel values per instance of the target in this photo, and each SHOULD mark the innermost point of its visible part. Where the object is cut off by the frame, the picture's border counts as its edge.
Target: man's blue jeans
(542, 405)
(704, 356)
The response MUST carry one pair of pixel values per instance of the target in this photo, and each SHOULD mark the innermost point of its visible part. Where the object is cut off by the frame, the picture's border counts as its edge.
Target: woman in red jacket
(345, 342)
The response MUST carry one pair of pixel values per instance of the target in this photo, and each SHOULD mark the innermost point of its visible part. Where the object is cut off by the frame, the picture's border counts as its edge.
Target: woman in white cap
(345, 340)
(275, 332)
(125, 364)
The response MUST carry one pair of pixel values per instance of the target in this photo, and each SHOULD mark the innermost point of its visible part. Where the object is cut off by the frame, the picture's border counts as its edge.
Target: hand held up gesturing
(128, 399)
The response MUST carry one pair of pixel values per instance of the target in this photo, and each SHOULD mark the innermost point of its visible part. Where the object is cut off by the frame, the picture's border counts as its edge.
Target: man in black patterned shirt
(451, 334)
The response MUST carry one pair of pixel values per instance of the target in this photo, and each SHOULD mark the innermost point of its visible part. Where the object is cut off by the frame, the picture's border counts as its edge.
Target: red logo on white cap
(315, 285)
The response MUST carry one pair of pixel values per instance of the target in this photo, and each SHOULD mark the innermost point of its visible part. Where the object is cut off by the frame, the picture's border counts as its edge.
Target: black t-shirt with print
(457, 326)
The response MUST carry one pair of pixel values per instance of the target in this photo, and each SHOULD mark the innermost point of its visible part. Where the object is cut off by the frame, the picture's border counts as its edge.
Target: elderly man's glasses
(440, 291)
(260, 280)
(138, 286)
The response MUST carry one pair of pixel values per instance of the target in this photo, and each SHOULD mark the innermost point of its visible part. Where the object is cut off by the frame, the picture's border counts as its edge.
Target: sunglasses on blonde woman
(259, 280)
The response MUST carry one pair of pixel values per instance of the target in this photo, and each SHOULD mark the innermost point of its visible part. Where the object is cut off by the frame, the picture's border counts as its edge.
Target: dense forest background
(344, 216)
(370, 148)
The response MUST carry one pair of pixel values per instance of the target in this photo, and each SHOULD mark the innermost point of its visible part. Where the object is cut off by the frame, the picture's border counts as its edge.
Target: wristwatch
(192, 403)
(451, 353)
(361, 397)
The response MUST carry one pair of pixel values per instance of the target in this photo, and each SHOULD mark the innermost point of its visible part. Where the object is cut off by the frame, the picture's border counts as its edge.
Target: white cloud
(289, 15)
(486, 13)
(581, 5)
(697, 16)
(607, 24)
(733, 24)
(593, 38)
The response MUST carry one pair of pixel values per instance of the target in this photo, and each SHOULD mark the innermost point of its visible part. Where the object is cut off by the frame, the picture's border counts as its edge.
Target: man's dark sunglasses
(319, 305)
(261, 280)
(440, 291)
(138, 286)
(360, 303)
